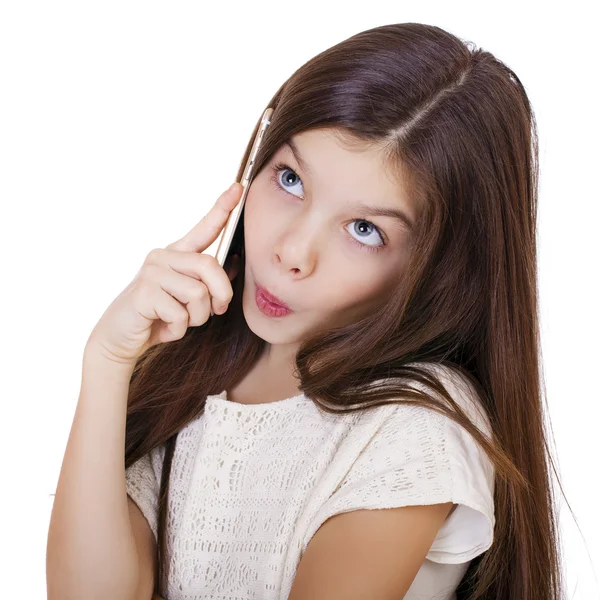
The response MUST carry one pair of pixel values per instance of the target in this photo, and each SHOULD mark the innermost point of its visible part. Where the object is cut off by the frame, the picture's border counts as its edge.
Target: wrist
(97, 359)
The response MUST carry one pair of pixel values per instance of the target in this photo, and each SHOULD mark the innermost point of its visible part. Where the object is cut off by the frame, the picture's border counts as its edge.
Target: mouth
(270, 297)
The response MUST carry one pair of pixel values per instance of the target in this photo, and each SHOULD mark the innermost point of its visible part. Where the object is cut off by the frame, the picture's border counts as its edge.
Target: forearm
(90, 532)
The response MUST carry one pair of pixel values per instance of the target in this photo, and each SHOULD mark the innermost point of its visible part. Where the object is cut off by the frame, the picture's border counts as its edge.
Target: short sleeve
(419, 456)
(142, 482)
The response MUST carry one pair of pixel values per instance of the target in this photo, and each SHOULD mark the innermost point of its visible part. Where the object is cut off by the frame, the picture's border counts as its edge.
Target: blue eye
(287, 185)
(276, 181)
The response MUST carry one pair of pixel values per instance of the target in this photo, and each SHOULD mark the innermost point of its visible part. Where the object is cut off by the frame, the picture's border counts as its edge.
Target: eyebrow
(394, 213)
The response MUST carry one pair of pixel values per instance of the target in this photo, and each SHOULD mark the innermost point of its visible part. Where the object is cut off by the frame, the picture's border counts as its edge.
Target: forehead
(323, 150)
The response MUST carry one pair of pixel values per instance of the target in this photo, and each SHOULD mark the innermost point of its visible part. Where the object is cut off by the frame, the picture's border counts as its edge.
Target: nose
(298, 246)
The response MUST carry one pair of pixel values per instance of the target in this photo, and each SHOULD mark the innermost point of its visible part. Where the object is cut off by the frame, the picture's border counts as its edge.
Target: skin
(299, 245)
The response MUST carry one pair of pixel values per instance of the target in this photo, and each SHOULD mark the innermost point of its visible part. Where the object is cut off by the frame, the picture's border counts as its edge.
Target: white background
(121, 123)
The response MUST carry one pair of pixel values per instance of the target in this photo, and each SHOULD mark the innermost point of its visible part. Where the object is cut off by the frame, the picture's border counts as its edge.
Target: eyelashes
(274, 179)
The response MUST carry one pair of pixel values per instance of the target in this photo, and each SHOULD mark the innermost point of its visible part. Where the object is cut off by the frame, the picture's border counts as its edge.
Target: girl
(378, 431)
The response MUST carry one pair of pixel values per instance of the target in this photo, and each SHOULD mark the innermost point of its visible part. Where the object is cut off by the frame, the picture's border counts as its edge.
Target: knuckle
(224, 304)
(153, 255)
(147, 271)
(209, 258)
(198, 261)
(141, 290)
(198, 291)
(182, 314)
(198, 317)
(202, 263)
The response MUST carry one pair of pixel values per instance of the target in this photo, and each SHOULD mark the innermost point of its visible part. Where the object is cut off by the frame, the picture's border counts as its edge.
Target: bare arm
(91, 549)
(368, 553)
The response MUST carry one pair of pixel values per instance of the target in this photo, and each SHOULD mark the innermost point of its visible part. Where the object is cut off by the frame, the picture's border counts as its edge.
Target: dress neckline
(221, 398)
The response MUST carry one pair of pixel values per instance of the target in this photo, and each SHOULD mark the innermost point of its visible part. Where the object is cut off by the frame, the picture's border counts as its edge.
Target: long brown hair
(457, 124)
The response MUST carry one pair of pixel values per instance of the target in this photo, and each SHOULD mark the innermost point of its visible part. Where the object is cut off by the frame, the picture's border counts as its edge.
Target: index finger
(207, 230)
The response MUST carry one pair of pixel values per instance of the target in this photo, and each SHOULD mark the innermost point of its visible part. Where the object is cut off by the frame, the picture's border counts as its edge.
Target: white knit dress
(252, 483)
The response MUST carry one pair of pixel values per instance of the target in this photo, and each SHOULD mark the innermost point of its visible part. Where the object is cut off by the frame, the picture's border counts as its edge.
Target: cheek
(349, 287)
(260, 216)
(251, 217)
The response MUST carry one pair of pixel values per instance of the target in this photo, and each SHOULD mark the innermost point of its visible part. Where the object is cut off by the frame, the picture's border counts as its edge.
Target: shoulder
(463, 390)
(411, 455)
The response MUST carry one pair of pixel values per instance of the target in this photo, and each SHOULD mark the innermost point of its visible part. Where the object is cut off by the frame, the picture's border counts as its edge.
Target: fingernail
(232, 186)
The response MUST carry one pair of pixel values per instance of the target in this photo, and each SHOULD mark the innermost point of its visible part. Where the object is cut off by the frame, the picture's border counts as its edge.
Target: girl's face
(313, 237)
